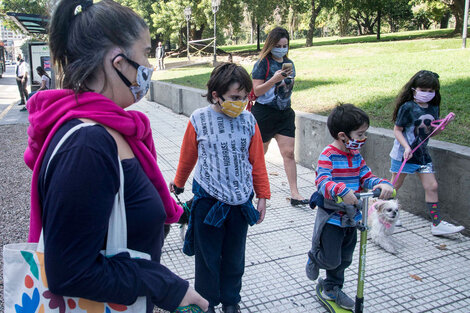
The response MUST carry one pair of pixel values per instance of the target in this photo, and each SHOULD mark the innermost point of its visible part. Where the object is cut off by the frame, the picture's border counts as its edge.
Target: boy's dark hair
(81, 33)
(422, 79)
(346, 118)
(223, 76)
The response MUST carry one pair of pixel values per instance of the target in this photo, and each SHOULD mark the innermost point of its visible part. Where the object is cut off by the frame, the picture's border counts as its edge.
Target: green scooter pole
(359, 305)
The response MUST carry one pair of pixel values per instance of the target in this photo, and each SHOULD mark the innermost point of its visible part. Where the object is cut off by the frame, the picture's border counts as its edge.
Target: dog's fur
(382, 218)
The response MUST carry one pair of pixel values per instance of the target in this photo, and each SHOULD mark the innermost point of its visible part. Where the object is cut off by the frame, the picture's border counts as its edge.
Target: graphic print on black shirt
(422, 129)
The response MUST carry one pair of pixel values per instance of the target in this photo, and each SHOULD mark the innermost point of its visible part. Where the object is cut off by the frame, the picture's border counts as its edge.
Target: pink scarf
(49, 109)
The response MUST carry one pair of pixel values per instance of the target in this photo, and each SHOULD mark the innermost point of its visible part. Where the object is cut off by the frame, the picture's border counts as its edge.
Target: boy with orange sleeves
(224, 143)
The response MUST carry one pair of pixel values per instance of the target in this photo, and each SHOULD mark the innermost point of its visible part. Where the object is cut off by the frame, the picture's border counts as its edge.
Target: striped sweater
(339, 172)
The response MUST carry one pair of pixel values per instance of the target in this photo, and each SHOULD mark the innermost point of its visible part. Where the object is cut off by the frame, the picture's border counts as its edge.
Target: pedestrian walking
(22, 78)
(160, 55)
(273, 80)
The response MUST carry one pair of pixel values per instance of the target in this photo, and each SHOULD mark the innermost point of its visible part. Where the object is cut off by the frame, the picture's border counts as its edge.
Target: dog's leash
(438, 125)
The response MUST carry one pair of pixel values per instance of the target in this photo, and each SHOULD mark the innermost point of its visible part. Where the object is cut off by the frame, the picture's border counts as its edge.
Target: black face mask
(18, 58)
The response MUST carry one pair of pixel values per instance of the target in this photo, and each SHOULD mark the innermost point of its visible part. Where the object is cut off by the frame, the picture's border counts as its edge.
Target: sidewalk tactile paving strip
(276, 250)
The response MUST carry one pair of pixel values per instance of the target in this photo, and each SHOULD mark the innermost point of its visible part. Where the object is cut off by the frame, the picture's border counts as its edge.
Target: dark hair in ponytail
(81, 33)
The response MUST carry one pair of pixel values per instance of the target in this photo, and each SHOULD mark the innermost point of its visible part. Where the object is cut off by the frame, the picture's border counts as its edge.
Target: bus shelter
(38, 51)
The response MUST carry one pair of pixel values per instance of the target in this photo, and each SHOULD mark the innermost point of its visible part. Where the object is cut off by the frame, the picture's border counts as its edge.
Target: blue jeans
(335, 254)
(219, 254)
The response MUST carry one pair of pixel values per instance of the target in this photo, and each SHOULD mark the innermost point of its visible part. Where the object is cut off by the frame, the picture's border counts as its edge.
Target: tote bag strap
(117, 228)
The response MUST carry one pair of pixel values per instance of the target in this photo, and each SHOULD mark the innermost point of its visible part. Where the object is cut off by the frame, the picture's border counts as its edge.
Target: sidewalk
(430, 274)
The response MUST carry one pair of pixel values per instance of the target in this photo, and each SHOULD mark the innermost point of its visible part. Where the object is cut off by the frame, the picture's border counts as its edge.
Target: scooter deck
(331, 306)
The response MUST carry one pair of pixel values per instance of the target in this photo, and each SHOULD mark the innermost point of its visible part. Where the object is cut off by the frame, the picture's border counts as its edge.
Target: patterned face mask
(142, 82)
(233, 108)
(355, 144)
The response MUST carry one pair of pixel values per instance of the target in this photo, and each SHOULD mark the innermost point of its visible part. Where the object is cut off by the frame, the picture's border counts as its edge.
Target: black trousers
(22, 89)
(220, 254)
(335, 254)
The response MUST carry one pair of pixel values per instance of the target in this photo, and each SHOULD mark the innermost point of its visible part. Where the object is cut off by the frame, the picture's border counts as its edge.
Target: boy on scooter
(341, 172)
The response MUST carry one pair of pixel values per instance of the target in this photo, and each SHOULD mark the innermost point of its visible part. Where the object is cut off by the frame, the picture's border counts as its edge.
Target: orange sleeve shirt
(189, 157)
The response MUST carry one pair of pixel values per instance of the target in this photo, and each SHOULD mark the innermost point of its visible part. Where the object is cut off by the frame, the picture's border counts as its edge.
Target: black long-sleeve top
(77, 197)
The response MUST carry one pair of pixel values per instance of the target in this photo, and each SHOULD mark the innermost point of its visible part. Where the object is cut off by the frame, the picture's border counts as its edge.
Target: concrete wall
(452, 162)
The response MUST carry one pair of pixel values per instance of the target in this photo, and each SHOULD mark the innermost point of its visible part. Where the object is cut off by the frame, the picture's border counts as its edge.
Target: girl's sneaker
(444, 228)
(339, 297)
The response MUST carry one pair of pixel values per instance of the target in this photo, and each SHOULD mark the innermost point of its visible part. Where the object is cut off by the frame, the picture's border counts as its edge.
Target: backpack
(251, 96)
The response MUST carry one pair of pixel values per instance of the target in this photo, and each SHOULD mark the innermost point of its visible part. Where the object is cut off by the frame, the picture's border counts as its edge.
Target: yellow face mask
(233, 108)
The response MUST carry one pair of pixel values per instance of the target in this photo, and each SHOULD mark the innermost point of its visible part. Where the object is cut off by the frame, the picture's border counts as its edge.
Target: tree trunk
(445, 21)
(197, 33)
(458, 8)
(344, 23)
(311, 25)
(257, 35)
(379, 17)
(253, 26)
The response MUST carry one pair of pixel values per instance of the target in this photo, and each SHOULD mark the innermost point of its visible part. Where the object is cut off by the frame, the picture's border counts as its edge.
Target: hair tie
(82, 7)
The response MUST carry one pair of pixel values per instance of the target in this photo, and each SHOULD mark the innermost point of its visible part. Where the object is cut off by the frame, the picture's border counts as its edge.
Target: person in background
(273, 80)
(101, 52)
(45, 83)
(160, 55)
(22, 79)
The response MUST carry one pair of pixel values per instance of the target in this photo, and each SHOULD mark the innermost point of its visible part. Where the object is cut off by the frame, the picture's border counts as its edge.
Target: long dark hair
(273, 38)
(225, 75)
(422, 79)
(81, 33)
(41, 71)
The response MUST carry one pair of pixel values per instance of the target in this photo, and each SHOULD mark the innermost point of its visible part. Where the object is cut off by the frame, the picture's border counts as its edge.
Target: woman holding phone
(273, 80)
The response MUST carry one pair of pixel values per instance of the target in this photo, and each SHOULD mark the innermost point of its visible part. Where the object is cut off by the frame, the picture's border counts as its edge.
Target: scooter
(330, 305)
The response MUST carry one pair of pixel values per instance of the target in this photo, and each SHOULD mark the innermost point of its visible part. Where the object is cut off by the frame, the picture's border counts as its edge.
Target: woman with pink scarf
(102, 52)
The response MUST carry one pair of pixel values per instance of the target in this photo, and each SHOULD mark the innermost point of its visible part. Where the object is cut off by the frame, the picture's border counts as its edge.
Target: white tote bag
(24, 279)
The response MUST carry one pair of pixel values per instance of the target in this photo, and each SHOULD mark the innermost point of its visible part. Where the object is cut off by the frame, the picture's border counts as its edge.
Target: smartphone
(287, 67)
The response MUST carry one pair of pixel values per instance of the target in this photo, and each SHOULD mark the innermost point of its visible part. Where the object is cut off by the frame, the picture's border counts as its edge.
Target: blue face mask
(142, 84)
(279, 53)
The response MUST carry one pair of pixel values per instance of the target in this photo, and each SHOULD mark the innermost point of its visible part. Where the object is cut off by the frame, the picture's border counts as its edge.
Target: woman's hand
(261, 209)
(407, 154)
(192, 297)
(280, 75)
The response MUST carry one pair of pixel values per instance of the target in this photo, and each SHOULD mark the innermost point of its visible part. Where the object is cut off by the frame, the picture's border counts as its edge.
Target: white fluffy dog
(382, 217)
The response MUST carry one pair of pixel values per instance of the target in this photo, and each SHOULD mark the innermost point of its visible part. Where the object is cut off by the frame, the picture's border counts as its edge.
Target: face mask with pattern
(142, 82)
(355, 144)
(233, 108)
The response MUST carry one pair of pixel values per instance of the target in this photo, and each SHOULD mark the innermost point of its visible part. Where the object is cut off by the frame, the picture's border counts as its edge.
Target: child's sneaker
(339, 297)
(311, 268)
(444, 228)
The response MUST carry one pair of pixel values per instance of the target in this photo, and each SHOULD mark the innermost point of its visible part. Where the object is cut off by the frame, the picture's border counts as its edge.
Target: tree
(259, 11)
(458, 10)
(457, 7)
(40, 7)
(315, 7)
(396, 12)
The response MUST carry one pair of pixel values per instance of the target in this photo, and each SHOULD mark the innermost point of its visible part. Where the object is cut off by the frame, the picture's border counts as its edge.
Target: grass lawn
(369, 75)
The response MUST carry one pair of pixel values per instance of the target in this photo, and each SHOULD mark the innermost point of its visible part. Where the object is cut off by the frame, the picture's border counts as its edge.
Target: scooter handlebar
(374, 194)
